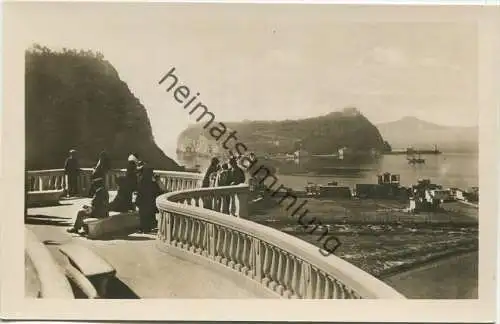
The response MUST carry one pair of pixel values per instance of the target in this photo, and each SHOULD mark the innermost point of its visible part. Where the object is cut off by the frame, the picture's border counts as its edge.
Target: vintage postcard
(249, 161)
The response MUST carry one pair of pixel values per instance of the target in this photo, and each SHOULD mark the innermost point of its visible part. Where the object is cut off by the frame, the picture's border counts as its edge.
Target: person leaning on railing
(209, 180)
(99, 207)
(72, 169)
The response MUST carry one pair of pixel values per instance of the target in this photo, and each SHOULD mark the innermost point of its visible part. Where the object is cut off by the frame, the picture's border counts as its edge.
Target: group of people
(138, 182)
(219, 174)
(223, 173)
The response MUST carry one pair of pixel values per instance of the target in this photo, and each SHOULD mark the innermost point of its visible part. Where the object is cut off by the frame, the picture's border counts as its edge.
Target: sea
(458, 170)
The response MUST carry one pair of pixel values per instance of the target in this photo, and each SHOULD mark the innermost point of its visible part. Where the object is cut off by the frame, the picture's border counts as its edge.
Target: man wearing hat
(71, 169)
(99, 207)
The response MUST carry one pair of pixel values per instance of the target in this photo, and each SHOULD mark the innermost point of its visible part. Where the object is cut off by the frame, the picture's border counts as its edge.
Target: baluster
(336, 293)
(318, 294)
(50, 182)
(209, 240)
(255, 260)
(244, 256)
(180, 236)
(57, 182)
(239, 250)
(225, 247)
(343, 292)
(161, 233)
(217, 203)
(306, 280)
(199, 237)
(287, 281)
(220, 249)
(175, 229)
(266, 265)
(279, 271)
(296, 278)
(186, 233)
(274, 268)
(328, 290)
(191, 243)
(218, 239)
(40, 183)
(232, 243)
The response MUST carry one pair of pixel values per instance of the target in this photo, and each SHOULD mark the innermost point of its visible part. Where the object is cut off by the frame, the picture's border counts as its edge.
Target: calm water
(450, 170)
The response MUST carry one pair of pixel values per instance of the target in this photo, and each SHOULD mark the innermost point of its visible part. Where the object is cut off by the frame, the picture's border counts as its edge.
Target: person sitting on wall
(127, 185)
(100, 170)
(99, 207)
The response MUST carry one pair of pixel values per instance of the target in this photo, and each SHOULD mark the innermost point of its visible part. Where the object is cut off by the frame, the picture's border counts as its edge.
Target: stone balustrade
(55, 179)
(288, 266)
(231, 200)
(194, 221)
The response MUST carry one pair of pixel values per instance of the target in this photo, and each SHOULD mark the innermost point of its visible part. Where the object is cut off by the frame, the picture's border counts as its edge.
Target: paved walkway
(142, 269)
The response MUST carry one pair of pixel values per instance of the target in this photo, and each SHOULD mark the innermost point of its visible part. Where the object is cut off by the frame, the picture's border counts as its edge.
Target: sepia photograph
(178, 153)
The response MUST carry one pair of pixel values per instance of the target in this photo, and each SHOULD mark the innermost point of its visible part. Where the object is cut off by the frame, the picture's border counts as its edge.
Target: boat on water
(414, 160)
(411, 150)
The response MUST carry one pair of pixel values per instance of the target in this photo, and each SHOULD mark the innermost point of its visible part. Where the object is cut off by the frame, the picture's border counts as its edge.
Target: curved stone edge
(358, 280)
(245, 282)
(54, 283)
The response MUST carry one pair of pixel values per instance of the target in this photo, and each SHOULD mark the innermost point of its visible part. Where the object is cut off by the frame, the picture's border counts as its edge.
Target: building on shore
(427, 196)
(387, 187)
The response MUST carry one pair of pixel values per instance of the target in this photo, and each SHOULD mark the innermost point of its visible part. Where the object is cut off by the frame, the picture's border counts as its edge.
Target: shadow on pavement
(124, 237)
(117, 289)
(46, 220)
(50, 242)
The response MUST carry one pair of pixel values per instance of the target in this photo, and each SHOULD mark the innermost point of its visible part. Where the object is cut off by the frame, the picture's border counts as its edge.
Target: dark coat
(100, 203)
(237, 176)
(71, 165)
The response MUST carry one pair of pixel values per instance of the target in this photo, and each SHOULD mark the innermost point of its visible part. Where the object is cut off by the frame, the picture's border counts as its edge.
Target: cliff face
(319, 135)
(77, 100)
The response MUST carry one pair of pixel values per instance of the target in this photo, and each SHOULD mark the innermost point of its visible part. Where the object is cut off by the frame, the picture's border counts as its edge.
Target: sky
(260, 62)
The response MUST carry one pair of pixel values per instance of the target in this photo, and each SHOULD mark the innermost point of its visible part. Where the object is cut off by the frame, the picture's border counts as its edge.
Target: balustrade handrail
(190, 175)
(356, 279)
(202, 192)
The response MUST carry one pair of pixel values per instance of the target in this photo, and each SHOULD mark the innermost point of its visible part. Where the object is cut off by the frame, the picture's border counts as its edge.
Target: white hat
(132, 157)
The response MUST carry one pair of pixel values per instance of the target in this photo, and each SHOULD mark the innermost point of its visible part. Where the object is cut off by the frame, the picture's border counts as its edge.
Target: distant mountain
(411, 131)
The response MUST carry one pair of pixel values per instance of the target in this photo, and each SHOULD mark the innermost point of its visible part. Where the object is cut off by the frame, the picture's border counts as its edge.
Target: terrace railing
(286, 265)
(209, 222)
(47, 180)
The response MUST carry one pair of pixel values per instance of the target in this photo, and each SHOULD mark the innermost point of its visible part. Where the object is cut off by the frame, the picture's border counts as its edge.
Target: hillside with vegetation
(76, 100)
(319, 135)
